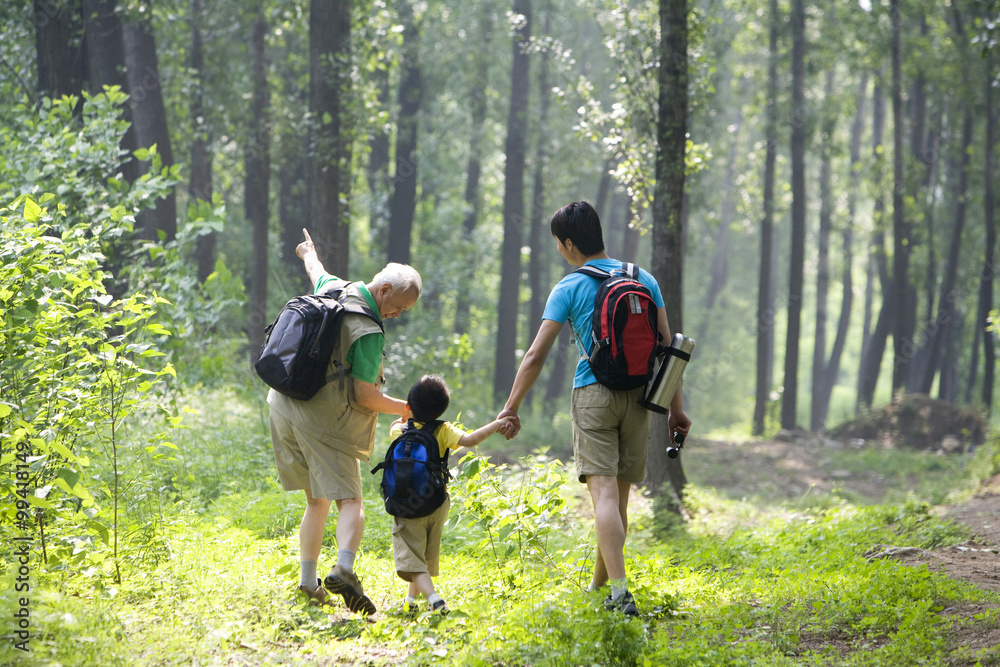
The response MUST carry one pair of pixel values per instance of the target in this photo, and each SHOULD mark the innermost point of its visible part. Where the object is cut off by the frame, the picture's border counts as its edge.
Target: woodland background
(813, 184)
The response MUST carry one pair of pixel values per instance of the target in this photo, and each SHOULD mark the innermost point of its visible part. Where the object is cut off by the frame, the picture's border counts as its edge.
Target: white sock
(345, 559)
(593, 587)
(432, 598)
(409, 600)
(619, 587)
(308, 575)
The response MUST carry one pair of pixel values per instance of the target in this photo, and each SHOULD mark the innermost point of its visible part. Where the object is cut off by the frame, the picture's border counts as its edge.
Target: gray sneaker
(344, 582)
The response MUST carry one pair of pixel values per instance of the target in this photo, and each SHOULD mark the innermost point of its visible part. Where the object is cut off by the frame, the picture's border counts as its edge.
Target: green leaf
(285, 569)
(32, 211)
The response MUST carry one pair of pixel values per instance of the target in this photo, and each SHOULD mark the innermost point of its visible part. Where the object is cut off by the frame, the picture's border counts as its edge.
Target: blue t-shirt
(573, 299)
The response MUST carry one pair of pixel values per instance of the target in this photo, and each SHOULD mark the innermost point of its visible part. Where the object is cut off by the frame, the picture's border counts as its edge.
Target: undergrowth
(738, 584)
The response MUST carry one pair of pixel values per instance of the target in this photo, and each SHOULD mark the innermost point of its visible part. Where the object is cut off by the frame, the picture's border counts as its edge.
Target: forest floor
(798, 468)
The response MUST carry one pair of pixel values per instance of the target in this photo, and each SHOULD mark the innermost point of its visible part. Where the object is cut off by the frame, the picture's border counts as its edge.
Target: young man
(319, 444)
(610, 428)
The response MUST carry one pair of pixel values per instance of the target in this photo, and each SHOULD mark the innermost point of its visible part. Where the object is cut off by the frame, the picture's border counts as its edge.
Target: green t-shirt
(365, 356)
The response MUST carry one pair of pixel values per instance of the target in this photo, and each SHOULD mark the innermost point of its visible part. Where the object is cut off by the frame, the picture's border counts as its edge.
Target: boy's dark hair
(580, 223)
(428, 398)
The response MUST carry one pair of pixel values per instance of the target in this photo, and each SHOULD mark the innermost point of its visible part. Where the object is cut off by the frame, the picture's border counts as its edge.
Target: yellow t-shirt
(447, 435)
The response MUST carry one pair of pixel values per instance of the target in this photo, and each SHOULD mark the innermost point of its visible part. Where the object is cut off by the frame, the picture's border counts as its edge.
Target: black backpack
(299, 343)
(625, 329)
(414, 474)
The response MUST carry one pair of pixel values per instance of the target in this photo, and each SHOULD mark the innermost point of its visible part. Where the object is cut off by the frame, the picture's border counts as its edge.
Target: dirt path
(794, 469)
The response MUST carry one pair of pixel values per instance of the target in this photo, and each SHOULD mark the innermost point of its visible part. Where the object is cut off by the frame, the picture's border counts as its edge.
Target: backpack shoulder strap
(593, 272)
(631, 270)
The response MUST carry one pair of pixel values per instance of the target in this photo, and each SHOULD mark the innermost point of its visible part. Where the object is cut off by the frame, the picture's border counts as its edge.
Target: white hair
(402, 277)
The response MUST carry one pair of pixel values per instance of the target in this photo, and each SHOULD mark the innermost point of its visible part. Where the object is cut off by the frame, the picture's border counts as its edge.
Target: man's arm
(530, 369)
(369, 397)
(307, 253)
(677, 420)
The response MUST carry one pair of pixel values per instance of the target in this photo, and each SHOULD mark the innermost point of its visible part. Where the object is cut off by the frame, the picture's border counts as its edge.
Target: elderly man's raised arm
(307, 253)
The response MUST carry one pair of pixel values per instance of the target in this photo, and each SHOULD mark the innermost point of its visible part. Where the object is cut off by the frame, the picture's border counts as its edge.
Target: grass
(762, 583)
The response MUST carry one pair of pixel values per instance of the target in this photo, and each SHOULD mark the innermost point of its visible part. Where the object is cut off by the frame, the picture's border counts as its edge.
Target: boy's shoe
(625, 604)
(440, 607)
(317, 596)
(410, 608)
(344, 582)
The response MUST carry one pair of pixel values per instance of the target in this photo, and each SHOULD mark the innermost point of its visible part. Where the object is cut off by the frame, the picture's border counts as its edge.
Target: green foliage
(78, 364)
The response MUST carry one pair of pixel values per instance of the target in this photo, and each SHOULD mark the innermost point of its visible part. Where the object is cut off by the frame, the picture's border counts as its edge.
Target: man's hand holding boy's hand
(511, 423)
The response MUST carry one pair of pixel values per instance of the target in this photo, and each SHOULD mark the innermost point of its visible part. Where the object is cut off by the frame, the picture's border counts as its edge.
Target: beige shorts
(610, 433)
(416, 543)
(307, 463)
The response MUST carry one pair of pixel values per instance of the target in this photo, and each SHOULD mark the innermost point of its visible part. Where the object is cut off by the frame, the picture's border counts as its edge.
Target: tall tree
(59, 61)
(200, 185)
(668, 214)
(765, 281)
(539, 243)
(513, 205)
(874, 350)
(257, 160)
(989, 270)
(817, 412)
(404, 195)
(328, 171)
(789, 399)
(473, 197)
(831, 370)
(903, 324)
(149, 118)
(106, 66)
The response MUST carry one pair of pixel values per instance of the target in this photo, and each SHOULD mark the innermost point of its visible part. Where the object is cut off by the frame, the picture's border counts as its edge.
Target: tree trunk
(941, 329)
(379, 194)
(796, 269)
(832, 370)
(903, 323)
(473, 200)
(720, 259)
(404, 195)
(630, 233)
(513, 208)
(765, 287)
(149, 118)
(106, 67)
(871, 358)
(817, 412)
(59, 58)
(292, 206)
(989, 265)
(256, 158)
(328, 172)
(668, 216)
(200, 185)
(538, 241)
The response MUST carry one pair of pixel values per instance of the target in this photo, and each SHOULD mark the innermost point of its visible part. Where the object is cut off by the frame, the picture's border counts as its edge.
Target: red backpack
(625, 328)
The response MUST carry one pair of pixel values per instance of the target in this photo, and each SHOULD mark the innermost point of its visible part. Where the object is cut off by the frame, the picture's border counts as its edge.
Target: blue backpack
(414, 474)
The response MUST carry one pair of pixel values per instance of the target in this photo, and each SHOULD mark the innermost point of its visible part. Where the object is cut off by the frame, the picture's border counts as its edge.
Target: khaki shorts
(610, 433)
(307, 463)
(416, 543)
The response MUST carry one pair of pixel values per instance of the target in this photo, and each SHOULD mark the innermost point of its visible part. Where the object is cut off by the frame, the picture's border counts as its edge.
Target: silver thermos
(668, 376)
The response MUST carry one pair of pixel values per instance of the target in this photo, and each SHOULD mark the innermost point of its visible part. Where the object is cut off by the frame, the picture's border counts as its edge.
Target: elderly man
(319, 444)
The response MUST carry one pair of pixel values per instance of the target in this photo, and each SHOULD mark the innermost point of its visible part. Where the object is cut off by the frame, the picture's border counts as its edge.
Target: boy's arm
(475, 437)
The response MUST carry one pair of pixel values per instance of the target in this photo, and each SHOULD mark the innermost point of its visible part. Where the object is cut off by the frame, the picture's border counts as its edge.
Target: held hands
(511, 425)
(679, 422)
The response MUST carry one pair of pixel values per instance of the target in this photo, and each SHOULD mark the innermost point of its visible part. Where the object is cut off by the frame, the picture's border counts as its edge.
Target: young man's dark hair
(428, 398)
(579, 223)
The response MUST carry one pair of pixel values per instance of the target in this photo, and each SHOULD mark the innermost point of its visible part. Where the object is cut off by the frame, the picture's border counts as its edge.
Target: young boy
(416, 543)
